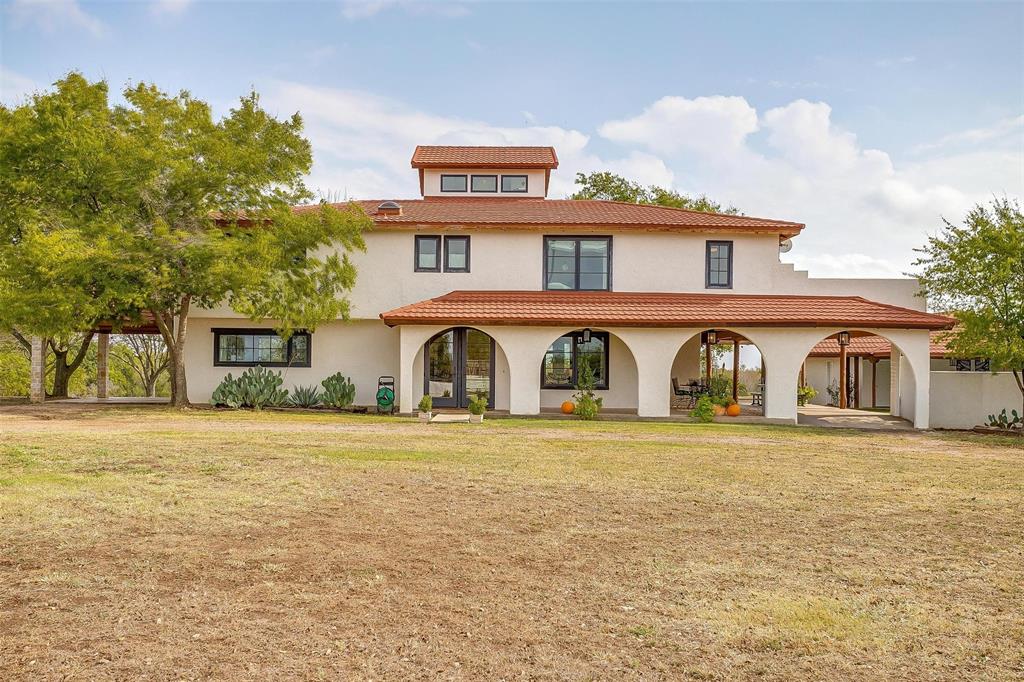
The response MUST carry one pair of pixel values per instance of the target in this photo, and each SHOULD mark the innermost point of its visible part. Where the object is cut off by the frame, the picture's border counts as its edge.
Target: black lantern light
(586, 335)
(844, 338)
(711, 337)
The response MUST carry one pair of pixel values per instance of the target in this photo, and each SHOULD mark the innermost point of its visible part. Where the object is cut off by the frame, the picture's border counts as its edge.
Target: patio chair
(757, 397)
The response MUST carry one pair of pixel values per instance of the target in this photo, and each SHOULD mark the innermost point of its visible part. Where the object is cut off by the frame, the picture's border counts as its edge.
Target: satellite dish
(785, 245)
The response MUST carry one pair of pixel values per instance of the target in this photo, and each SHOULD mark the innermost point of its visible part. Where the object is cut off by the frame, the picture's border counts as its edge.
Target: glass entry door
(459, 364)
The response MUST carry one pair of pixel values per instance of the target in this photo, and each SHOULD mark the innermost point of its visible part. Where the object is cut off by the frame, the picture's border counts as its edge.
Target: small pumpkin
(719, 410)
(568, 407)
(733, 410)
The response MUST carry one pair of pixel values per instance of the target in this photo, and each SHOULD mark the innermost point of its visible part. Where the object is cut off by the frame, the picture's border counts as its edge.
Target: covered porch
(515, 344)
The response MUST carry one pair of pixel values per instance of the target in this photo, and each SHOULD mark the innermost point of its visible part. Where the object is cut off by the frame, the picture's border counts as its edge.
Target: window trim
(484, 191)
(454, 175)
(261, 331)
(707, 263)
(460, 237)
(577, 238)
(525, 190)
(576, 336)
(416, 253)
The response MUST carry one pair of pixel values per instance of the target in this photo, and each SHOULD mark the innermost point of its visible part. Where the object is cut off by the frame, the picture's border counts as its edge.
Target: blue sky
(866, 121)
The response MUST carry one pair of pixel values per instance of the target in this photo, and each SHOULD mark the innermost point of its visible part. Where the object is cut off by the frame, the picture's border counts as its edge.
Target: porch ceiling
(635, 309)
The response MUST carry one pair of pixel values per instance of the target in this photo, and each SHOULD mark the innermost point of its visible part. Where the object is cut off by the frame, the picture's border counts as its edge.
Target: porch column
(843, 379)
(37, 387)
(874, 382)
(894, 382)
(735, 370)
(707, 361)
(654, 351)
(524, 348)
(102, 360)
(856, 382)
(409, 345)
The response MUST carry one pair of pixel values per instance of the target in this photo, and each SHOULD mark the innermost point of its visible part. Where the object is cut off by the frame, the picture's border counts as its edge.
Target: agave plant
(305, 396)
(338, 391)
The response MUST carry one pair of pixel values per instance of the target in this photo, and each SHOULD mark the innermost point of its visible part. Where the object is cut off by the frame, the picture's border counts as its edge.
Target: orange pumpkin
(733, 410)
(719, 410)
(568, 407)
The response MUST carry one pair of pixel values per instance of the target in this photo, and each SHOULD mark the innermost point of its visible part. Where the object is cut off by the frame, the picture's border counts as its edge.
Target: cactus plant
(228, 394)
(338, 391)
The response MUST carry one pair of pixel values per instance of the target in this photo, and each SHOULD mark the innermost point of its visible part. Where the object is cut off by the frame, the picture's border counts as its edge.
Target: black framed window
(428, 254)
(566, 356)
(456, 254)
(453, 183)
(718, 265)
(251, 347)
(484, 183)
(578, 263)
(515, 183)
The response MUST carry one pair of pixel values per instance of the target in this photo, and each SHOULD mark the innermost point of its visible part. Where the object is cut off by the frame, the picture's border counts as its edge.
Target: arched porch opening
(458, 363)
(609, 358)
(862, 370)
(723, 363)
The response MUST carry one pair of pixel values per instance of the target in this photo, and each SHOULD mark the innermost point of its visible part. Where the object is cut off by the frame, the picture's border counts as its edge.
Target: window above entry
(578, 263)
(429, 256)
(718, 265)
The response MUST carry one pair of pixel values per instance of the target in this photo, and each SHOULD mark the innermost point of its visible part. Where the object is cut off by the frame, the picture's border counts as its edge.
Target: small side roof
(431, 156)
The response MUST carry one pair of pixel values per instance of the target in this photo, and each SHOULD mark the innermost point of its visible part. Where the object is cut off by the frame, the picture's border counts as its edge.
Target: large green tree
(611, 187)
(975, 271)
(166, 208)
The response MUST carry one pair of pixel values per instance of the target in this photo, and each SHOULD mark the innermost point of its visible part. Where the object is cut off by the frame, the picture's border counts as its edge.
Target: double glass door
(458, 365)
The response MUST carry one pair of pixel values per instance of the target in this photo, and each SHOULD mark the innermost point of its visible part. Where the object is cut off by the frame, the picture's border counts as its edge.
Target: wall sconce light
(586, 335)
(844, 338)
(711, 337)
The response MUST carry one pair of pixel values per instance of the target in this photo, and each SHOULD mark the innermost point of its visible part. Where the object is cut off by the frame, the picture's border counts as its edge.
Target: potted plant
(426, 403)
(805, 394)
(477, 407)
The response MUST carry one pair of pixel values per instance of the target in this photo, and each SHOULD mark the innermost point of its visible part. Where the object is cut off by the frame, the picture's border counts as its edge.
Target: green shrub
(1001, 421)
(805, 394)
(587, 404)
(257, 387)
(704, 410)
(720, 386)
(478, 404)
(426, 403)
(305, 396)
(339, 392)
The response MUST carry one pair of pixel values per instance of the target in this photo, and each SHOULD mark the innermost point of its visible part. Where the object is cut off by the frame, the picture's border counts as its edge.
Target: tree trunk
(61, 375)
(1018, 376)
(173, 325)
(151, 387)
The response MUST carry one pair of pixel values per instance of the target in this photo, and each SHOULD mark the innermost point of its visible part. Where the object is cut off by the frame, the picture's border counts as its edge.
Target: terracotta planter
(733, 410)
(568, 407)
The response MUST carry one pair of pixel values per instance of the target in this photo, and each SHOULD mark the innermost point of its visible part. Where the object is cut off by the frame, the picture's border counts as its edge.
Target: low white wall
(963, 400)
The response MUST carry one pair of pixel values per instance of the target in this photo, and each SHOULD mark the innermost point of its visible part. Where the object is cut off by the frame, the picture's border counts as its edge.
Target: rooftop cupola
(484, 172)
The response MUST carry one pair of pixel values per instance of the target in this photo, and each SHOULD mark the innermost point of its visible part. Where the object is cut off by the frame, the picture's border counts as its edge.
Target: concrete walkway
(823, 415)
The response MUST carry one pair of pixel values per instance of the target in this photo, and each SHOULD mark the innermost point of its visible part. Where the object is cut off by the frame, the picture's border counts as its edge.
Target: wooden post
(875, 382)
(842, 377)
(707, 361)
(102, 360)
(803, 374)
(856, 382)
(37, 385)
(736, 370)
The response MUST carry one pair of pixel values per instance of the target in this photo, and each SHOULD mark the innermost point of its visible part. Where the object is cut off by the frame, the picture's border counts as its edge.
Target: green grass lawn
(145, 542)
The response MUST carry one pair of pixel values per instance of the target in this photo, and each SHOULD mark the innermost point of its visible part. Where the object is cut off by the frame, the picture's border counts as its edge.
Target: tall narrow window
(453, 183)
(577, 263)
(428, 254)
(456, 254)
(719, 265)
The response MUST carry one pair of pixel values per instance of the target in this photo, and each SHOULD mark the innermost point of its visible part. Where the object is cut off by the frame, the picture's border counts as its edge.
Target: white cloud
(15, 88)
(1011, 128)
(676, 123)
(170, 7)
(364, 9)
(52, 16)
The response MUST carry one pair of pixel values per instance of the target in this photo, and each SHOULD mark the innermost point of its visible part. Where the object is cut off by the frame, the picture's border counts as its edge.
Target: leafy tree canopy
(611, 187)
(975, 271)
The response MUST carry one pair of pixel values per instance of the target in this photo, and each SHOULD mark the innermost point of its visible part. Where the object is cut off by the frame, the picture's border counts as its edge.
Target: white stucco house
(483, 285)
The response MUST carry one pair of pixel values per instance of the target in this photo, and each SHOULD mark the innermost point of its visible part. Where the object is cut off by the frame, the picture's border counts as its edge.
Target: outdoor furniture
(690, 391)
(757, 397)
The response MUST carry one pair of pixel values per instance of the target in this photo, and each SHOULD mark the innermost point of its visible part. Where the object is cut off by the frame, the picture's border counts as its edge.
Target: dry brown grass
(146, 543)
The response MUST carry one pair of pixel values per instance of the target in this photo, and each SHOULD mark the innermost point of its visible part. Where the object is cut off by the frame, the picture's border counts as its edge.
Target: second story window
(484, 183)
(456, 254)
(429, 256)
(718, 265)
(578, 263)
(453, 183)
(514, 183)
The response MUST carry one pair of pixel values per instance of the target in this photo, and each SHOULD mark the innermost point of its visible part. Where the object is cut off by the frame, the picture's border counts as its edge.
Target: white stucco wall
(432, 182)
(963, 400)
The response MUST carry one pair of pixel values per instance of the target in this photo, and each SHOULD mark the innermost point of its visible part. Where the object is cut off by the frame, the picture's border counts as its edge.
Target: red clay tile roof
(544, 213)
(427, 156)
(629, 309)
(876, 346)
